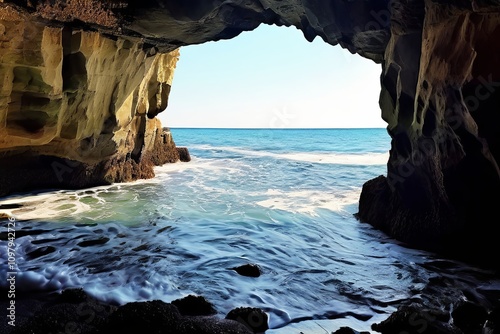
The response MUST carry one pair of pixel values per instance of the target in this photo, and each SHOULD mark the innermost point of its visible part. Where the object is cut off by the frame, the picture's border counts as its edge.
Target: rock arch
(440, 97)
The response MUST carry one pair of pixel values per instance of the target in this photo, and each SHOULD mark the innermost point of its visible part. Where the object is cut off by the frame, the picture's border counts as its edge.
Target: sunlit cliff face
(81, 88)
(78, 107)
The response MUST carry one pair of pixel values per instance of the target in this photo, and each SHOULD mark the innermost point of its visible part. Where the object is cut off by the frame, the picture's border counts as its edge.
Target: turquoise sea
(283, 199)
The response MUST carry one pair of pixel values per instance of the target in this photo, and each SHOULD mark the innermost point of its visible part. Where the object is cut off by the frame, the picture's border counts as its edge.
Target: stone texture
(78, 108)
(416, 320)
(84, 92)
(192, 305)
(184, 154)
(440, 99)
(253, 318)
(73, 311)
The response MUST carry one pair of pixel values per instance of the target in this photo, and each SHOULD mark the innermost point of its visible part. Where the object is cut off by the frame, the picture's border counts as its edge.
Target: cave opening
(287, 209)
(272, 77)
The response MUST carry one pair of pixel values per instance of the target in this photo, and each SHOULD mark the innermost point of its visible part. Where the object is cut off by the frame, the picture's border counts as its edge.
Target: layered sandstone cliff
(77, 107)
(86, 86)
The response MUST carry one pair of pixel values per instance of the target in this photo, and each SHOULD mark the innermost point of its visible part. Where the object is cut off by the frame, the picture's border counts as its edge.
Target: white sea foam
(65, 203)
(45, 206)
(214, 165)
(93, 201)
(49, 277)
(62, 203)
(314, 157)
(340, 159)
(59, 277)
(309, 201)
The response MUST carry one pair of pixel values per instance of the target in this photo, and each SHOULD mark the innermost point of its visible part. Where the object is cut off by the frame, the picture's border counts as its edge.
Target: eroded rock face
(440, 94)
(78, 108)
(441, 98)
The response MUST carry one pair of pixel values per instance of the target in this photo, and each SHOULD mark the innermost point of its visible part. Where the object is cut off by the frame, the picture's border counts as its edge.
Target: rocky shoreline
(74, 311)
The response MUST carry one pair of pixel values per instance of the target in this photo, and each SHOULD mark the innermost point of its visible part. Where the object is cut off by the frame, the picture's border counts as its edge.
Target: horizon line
(242, 128)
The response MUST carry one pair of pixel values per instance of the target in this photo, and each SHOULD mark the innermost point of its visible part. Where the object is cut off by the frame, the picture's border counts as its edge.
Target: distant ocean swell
(313, 157)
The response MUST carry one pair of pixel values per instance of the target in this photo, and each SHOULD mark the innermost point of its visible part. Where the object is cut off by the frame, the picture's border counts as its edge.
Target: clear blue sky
(273, 77)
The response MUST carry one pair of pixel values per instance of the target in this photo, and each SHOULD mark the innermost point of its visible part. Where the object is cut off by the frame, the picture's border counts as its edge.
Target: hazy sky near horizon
(273, 77)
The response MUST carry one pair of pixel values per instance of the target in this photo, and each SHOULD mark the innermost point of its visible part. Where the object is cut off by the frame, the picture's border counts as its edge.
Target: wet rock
(249, 270)
(73, 296)
(70, 312)
(184, 155)
(469, 317)
(253, 318)
(74, 311)
(416, 319)
(348, 330)
(441, 187)
(208, 325)
(194, 306)
(158, 317)
(142, 317)
(492, 324)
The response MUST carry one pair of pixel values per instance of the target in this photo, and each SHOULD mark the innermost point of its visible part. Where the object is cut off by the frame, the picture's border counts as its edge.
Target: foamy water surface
(289, 212)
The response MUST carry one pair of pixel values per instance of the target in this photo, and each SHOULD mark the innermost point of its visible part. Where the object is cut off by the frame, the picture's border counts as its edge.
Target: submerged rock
(184, 155)
(249, 270)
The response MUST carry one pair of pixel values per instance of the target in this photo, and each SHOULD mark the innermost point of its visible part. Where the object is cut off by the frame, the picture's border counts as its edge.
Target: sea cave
(83, 82)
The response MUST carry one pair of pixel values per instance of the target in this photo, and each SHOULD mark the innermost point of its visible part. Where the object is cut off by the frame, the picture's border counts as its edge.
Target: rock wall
(77, 108)
(441, 99)
(440, 96)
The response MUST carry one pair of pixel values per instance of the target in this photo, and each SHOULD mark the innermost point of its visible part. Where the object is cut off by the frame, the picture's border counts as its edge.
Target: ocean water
(282, 199)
